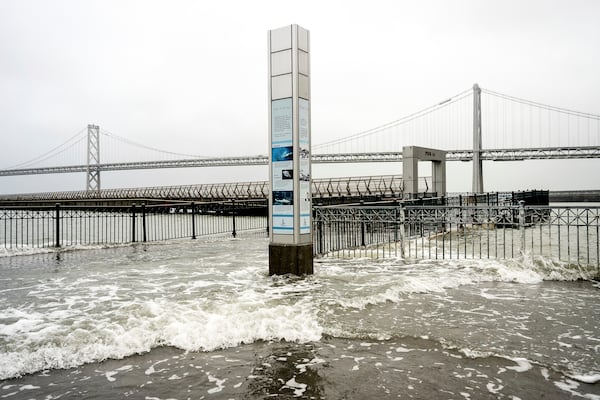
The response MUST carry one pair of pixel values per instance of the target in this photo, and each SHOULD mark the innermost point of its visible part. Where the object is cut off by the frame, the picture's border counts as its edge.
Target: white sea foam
(494, 388)
(297, 387)
(49, 247)
(522, 364)
(392, 279)
(591, 378)
(22, 251)
(569, 386)
(37, 342)
(218, 382)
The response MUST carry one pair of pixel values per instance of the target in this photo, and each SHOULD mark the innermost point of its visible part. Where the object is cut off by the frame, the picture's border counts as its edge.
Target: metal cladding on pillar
(290, 209)
(477, 163)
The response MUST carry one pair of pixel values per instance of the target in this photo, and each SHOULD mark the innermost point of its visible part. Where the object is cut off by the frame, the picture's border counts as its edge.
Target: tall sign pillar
(290, 219)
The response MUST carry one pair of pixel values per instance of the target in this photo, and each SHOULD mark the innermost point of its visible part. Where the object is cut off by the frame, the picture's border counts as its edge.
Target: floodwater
(203, 320)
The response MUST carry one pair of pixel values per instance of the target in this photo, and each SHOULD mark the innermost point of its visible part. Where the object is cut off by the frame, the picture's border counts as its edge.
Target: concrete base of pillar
(290, 259)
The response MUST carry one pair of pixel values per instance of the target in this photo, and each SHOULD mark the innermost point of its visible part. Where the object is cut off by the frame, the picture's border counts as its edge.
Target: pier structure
(410, 170)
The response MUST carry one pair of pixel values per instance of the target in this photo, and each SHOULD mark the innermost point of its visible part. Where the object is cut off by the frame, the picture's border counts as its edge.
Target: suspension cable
(132, 143)
(399, 121)
(541, 105)
(49, 153)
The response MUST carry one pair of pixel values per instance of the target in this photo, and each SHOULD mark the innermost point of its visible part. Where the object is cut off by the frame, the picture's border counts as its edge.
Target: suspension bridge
(475, 125)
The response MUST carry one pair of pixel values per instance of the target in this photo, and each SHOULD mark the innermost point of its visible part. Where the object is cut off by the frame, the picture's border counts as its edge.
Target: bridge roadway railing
(551, 237)
(357, 187)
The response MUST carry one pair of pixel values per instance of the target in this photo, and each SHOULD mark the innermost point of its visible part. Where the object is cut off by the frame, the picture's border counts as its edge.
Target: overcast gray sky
(191, 76)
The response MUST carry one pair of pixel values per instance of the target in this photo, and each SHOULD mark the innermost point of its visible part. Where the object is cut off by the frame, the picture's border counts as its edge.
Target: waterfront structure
(290, 247)
(410, 169)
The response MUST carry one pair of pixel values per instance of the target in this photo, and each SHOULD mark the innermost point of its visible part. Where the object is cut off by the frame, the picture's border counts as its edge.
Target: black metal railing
(568, 234)
(60, 226)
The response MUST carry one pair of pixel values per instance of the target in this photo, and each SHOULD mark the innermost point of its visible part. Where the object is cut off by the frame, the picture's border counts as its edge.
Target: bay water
(201, 319)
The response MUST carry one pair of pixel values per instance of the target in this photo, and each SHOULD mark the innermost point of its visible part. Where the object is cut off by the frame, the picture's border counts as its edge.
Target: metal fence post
(522, 224)
(233, 233)
(193, 205)
(144, 222)
(362, 224)
(402, 232)
(320, 238)
(133, 223)
(396, 222)
(268, 233)
(362, 232)
(57, 226)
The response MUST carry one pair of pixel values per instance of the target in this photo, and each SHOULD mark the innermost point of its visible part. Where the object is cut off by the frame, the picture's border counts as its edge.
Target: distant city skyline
(191, 77)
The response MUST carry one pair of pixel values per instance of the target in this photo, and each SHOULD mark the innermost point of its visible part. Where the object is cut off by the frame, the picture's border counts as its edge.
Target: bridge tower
(477, 164)
(93, 159)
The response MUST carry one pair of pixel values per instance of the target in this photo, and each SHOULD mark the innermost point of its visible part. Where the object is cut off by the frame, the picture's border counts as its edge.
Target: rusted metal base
(290, 259)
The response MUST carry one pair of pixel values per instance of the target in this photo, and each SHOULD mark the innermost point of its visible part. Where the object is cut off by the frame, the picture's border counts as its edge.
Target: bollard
(57, 226)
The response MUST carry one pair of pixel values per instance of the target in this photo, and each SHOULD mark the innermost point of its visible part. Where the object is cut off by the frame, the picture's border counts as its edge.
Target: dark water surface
(197, 320)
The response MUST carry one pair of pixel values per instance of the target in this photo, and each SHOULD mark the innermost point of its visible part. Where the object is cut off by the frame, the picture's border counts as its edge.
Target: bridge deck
(516, 154)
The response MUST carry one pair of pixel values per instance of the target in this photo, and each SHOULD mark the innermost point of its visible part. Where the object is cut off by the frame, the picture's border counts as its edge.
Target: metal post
(57, 226)
(193, 220)
(362, 233)
(133, 223)
(233, 233)
(522, 224)
(396, 224)
(144, 222)
(362, 224)
(267, 230)
(402, 232)
(320, 238)
(477, 164)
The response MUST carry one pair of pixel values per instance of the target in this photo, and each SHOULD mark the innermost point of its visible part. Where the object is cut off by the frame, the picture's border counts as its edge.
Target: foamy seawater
(207, 311)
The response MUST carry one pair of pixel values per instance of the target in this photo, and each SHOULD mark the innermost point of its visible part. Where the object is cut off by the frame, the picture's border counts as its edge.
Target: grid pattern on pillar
(93, 159)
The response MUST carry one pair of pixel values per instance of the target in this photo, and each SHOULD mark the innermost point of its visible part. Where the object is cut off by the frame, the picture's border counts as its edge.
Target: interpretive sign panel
(282, 166)
(304, 177)
(281, 123)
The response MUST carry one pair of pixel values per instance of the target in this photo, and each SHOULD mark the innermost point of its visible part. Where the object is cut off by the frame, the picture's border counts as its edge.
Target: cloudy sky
(191, 76)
